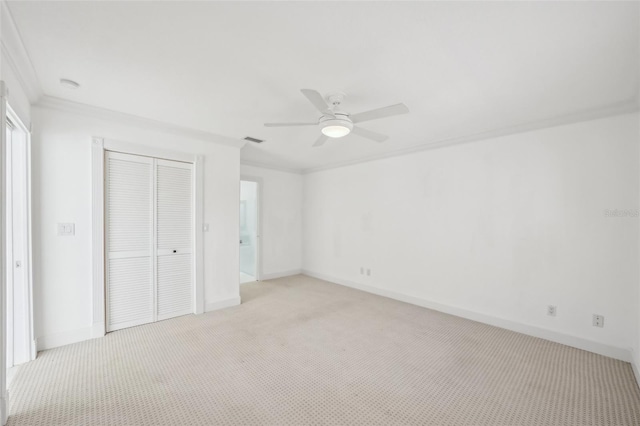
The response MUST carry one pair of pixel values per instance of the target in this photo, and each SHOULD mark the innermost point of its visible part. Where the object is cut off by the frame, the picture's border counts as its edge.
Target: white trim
(221, 304)
(259, 182)
(28, 261)
(33, 352)
(64, 338)
(282, 274)
(619, 108)
(134, 120)
(3, 258)
(634, 366)
(97, 329)
(198, 244)
(99, 146)
(146, 151)
(97, 236)
(154, 246)
(554, 336)
(17, 56)
(267, 166)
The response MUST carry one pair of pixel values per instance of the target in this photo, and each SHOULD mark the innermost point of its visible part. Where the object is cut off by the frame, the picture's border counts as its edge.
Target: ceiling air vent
(254, 140)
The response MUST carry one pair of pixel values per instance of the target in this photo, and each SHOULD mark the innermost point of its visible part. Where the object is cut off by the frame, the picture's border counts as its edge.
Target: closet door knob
(175, 251)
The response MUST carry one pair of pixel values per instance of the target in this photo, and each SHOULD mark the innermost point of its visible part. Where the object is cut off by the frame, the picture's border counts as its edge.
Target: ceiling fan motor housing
(337, 126)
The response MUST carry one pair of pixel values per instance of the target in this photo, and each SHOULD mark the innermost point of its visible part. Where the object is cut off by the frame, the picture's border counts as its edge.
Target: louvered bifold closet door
(129, 240)
(174, 221)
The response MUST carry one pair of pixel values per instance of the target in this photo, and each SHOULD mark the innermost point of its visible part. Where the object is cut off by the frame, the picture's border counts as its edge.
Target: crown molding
(16, 55)
(51, 102)
(625, 107)
(270, 167)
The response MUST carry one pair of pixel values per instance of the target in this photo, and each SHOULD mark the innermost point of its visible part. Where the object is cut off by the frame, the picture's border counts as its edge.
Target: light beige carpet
(302, 351)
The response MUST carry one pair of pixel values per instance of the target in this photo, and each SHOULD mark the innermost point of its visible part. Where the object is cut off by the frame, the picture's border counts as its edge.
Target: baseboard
(635, 359)
(221, 304)
(282, 274)
(554, 336)
(3, 410)
(98, 329)
(64, 338)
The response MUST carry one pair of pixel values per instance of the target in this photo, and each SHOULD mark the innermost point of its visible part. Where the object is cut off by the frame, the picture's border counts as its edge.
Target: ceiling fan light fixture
(69, 84)
(336, 128)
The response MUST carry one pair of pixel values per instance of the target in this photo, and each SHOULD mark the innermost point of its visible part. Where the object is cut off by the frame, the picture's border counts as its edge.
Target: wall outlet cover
(66, 229)
(598, 320)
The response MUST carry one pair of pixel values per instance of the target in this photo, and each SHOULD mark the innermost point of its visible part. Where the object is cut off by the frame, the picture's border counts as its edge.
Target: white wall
(281, 220)
(62, 193)
(495, 230)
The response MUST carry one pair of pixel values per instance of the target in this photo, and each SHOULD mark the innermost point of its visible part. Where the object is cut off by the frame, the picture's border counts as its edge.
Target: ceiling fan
(336, 122)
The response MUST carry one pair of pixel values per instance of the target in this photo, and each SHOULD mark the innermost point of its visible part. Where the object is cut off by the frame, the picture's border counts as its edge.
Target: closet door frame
(99, 147)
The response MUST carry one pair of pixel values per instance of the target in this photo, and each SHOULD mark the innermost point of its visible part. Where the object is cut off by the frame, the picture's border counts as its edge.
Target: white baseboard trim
(98, 329)
(282, 274)
(3, 410)
(63, 338)
(634, 365)
(221, 304)
(554, 336)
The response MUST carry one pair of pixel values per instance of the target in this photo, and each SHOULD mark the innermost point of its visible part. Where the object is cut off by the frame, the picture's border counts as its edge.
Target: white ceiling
(226, 68)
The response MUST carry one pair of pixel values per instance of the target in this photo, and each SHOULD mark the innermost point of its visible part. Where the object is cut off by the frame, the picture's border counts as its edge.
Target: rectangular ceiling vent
(254, 140)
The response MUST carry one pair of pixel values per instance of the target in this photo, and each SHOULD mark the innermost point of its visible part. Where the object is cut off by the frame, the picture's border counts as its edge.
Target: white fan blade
(374, 114)
(316, 99)
(378, 137)
(288, 124)
(321, 140)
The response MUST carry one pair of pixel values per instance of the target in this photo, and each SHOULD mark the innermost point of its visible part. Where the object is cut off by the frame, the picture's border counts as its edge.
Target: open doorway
(20, 345)
(249, 230)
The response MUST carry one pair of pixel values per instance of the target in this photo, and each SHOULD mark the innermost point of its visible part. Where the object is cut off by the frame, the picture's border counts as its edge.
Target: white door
(174, 222)
(149, 228)
(129, 240)
(18, 295)
(9, 246)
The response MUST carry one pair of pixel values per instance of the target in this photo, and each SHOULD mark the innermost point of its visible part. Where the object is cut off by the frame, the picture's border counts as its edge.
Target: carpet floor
(302, 351)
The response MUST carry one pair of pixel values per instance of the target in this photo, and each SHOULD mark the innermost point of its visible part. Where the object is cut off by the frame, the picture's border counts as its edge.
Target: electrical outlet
(66, 229)
(368, 272)
(598, 320)
(551, 310)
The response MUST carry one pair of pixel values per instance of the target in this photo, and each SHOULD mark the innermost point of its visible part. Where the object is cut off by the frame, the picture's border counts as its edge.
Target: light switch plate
(66, 229)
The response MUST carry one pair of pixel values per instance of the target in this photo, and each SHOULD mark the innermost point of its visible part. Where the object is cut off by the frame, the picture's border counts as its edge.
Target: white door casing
(99, 148)
(3, 259)
(8, 241)
(20, 342)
